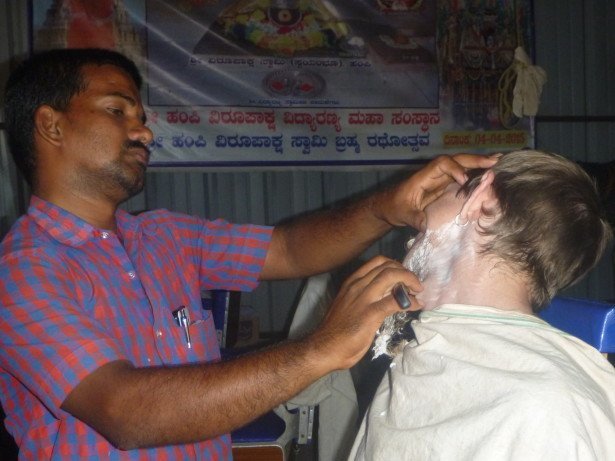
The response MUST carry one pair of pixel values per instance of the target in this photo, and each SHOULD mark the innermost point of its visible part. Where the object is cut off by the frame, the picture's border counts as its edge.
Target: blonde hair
(552, 226)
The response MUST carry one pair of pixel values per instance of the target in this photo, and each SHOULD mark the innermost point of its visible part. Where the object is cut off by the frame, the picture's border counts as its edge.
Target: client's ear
(481, 198)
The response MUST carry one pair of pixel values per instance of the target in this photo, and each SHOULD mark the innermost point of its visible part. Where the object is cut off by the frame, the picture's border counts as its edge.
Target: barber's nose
(142, 133)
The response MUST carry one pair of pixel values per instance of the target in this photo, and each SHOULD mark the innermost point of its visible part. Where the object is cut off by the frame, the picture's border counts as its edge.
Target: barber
(92, 362)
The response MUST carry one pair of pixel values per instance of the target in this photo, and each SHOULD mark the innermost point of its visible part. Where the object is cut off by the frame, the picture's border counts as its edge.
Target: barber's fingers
(469, 161)
(401, 295)
(361, 305)
(440, 171)
(399, 288)
(404, 203)
(375, 268)
(368, 292)
(373, 263)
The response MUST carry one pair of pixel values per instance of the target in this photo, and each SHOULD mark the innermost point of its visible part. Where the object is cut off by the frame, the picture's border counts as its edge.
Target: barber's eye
(116, 111)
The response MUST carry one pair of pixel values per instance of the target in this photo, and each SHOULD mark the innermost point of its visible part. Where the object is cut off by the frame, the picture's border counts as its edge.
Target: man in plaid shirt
(92, 362)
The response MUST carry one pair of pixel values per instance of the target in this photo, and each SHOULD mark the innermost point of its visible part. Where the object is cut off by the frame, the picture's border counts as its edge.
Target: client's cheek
(428, 297)
(413, 247)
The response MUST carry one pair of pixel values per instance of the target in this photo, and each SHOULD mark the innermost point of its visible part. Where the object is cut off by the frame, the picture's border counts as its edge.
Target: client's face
(443, 258)
(433, 249)
(430, 257)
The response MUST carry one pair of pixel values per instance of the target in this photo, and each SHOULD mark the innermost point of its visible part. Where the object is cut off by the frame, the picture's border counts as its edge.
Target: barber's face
(104, 135)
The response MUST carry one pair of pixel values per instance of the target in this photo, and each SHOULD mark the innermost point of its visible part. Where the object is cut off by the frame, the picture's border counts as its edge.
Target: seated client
(483, 378)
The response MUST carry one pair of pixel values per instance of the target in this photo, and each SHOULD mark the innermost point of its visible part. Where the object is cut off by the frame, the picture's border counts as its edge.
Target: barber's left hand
(404, 203)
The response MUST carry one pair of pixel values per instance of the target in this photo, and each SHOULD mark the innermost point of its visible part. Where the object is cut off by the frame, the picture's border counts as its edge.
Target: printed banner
(297, 82)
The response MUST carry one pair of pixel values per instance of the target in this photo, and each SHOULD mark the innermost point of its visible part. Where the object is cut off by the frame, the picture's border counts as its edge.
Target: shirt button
(159, 333)
(149, 360)
(104, 235)
(132, 274)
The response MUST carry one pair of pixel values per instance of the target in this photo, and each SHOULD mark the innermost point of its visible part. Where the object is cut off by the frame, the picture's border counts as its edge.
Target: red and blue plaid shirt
(73, 297)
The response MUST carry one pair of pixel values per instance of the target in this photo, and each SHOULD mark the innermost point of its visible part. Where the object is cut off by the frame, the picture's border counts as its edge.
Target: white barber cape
(485, 384)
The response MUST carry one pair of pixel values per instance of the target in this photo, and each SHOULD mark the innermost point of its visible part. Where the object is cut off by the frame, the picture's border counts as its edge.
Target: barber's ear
(482, 197)
(46, 124)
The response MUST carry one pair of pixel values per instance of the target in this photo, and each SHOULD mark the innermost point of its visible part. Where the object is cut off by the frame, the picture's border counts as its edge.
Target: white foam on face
(419, 252)
(430, 256)
(432, 261)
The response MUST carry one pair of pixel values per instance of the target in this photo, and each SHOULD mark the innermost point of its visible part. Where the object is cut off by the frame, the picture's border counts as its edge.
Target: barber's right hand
(358, 310)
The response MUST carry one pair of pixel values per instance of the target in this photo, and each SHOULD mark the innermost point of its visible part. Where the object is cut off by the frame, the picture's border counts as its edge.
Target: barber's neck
(98, 211)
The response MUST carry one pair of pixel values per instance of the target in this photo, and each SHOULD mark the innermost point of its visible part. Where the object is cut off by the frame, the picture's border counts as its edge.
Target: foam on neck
(433, 260)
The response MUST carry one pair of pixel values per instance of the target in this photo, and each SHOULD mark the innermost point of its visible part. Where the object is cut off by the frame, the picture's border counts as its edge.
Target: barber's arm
(173, 405)
(321, 241)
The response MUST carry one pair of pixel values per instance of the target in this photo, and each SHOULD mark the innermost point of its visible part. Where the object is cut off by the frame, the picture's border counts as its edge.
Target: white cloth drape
(486, 384)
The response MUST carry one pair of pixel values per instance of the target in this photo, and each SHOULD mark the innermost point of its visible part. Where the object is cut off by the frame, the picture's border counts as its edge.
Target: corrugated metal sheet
(575, 45)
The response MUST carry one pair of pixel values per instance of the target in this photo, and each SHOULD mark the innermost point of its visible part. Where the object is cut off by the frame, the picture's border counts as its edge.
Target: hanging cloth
(528, 82)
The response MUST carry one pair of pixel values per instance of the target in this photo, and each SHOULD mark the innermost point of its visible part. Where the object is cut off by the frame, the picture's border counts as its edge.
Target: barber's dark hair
(51, 78)
(552, 227)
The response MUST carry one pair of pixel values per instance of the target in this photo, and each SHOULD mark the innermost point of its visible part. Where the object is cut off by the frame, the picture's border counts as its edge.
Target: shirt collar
(71, 230)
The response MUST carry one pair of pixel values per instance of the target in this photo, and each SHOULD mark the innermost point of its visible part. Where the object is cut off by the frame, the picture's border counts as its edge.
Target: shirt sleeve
(227, 256)
(47, 340)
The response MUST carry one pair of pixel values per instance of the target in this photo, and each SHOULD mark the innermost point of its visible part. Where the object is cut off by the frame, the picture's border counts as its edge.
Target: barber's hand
(403, 204)
(358, 310)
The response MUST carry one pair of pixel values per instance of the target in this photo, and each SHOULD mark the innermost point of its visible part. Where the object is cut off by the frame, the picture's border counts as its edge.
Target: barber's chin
(133, 186)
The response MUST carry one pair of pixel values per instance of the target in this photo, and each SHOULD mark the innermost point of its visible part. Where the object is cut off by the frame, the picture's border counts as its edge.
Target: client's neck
(459, 274)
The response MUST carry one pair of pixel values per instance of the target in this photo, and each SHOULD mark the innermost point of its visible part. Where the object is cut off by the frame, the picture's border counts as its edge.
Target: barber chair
(270, 437)
(332, 398)
(589, 320)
